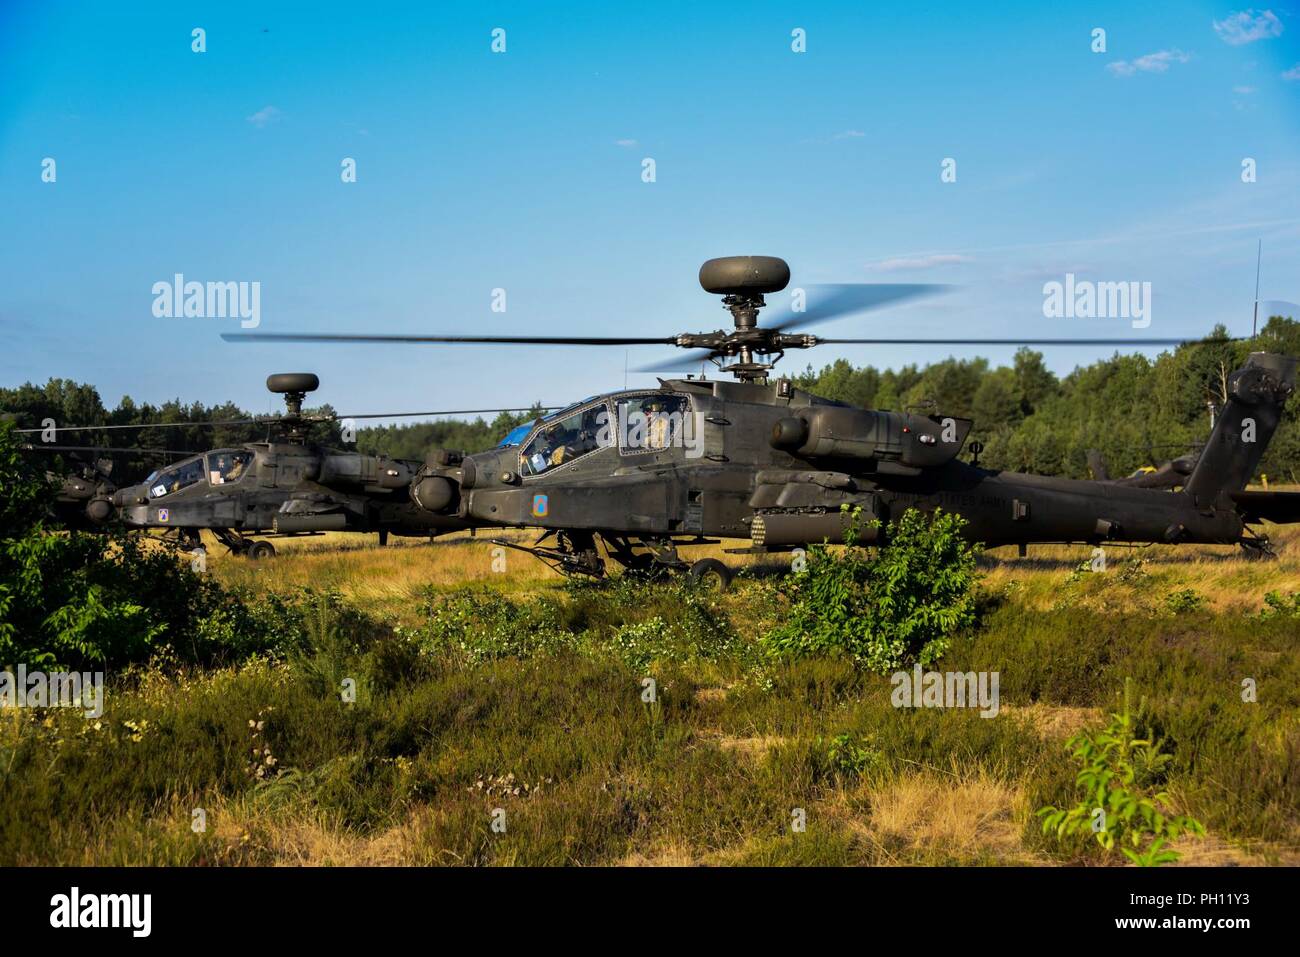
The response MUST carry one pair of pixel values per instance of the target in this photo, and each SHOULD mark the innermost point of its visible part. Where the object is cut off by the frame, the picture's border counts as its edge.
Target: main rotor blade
(399, 415)
(832, 300)
(1266, 307)
(491, 340)
(1019, 342)
(125, 450)
(149, 425)
(276, 419)
(677, 363)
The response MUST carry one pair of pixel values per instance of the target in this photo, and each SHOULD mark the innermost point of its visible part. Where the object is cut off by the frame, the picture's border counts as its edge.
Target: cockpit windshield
(519, 433)
(227, 467)
(515, 436)
(176, 478)
(564, 439)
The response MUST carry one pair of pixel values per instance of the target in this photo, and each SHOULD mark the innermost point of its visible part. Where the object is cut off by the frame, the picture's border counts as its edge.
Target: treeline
(413, 440)
(1135, 411)
(137, 452)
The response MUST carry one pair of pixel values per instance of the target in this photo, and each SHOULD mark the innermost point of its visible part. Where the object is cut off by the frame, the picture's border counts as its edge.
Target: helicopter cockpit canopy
(177, 477)
(520, 432)
(228, 465)
(564, 438)
(221, 467)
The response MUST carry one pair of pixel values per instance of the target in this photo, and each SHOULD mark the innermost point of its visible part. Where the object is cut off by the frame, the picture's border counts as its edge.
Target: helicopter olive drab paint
(779, 466)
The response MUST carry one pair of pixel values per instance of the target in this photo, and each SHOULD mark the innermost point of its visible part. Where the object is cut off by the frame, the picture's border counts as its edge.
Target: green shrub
(481, 624)
(853, 756)
(634, 621)
(884, 607)
(1121, 807)
(64, 598)
(1278, 606)
(1184, 600)
(69, 599)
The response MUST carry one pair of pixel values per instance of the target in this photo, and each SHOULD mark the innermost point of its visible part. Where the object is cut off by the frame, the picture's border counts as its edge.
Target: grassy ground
(482, 691)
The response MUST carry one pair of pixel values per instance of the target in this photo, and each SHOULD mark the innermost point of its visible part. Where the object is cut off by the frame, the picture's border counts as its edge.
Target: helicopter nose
(134, 515)
(135, 495)
(433, 493)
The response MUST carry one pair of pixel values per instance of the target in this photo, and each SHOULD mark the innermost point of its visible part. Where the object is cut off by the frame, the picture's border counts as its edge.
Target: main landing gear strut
(575, 553)
(239, 545)
(1257, 547)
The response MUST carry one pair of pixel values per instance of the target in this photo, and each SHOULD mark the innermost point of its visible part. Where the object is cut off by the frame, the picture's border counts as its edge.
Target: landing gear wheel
(259, 550)
(711, 573)
(1258, 549)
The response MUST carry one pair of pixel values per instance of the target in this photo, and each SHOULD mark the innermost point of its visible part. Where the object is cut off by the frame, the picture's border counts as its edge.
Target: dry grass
(722, 747)
(387, 580)
(936, 817)
(1229, 581)
(1056, 722)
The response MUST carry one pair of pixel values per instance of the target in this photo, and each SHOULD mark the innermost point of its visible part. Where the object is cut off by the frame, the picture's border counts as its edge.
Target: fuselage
(281, 487)
(775, 464)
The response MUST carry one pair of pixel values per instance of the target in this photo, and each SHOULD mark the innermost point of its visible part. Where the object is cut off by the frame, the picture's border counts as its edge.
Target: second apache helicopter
(284, 486)
(693, 461)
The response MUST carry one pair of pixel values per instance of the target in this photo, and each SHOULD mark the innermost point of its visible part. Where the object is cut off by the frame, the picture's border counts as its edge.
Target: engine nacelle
(880, 438)
(350, 468)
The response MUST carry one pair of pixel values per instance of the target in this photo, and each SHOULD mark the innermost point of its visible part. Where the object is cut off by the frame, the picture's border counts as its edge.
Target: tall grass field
(453, 703)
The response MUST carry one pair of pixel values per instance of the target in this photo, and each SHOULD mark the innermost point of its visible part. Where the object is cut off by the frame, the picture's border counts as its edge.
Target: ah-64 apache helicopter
(693, 461)
(286, 485)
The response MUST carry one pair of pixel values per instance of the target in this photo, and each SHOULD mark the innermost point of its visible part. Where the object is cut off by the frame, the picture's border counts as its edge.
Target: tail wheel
(259, 550)
(1258, 549)
(711, 573)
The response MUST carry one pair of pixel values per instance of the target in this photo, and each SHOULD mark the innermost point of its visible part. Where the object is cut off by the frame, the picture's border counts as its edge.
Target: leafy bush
(633, 620)
(899, 603)
(853, 756)
(1184, 600)
(1119, 774)
(481, 624)
(71, 599)
(1276, 605)
(60, 597)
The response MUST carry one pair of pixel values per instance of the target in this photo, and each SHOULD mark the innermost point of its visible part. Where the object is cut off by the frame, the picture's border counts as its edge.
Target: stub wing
(1280, 507)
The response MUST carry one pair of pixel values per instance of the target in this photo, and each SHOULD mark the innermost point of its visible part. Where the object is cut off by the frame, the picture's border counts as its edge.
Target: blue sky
(522, 171)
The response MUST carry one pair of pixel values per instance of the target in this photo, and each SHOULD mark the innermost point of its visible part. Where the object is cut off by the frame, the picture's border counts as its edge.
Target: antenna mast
(1259, 255)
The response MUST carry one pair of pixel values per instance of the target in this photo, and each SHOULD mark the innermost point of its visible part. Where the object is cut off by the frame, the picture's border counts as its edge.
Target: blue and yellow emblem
(540, 506)
(163, 514)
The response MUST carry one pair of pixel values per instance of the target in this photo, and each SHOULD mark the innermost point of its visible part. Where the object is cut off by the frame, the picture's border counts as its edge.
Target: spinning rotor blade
(126, 450)
(678, 363)
(1269, 307)
(492, 340)
(398, 415)
(148, 425)
(1017, 342)
(832, 300)
(274, 419)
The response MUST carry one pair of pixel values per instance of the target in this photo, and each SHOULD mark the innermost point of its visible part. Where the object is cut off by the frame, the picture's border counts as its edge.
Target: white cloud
(1243, 90)
(848, 135)
(1292, 74)
(626, 144)
(1247, 26)
(1157, 62)
(264, 117)
(901, 263)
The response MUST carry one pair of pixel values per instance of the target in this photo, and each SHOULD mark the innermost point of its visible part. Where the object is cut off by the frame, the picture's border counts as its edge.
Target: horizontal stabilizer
(1279, 507)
